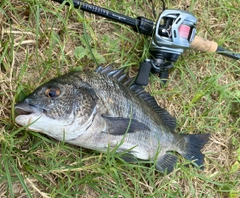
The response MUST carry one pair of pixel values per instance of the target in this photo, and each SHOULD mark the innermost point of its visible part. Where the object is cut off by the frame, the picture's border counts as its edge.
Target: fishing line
(153, 8)
(164, 5)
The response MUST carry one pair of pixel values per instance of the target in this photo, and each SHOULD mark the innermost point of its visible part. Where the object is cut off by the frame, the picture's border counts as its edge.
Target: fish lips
(25, 112)
(24, 108)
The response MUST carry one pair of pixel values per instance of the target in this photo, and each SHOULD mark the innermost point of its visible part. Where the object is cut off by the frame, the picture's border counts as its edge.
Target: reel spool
(175, 30)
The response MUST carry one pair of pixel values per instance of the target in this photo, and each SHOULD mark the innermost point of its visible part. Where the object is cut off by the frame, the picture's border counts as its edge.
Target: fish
(105, 109)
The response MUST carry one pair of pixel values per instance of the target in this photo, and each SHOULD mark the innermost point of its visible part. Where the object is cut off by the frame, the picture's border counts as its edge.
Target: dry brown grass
(35, 48)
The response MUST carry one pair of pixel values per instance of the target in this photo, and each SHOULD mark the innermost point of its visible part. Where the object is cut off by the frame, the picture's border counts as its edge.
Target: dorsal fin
(116, 74)
(123, 78)
(167, 119)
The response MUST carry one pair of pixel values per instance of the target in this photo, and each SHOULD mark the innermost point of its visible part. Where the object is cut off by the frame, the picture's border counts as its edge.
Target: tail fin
(194, 144)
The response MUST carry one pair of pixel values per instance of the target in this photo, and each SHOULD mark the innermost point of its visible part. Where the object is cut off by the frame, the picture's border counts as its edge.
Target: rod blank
(145, 26)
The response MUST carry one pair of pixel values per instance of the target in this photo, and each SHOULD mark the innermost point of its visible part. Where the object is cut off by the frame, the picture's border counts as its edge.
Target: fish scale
(105, 109)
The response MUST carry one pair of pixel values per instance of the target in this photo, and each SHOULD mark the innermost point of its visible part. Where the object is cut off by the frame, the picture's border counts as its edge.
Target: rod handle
(203, 45)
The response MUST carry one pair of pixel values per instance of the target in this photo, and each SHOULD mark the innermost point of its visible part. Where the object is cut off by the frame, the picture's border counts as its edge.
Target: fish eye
(52, 92)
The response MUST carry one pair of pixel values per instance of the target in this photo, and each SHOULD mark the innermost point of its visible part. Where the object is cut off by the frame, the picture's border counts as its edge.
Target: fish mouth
(27, 114)
(24, 108)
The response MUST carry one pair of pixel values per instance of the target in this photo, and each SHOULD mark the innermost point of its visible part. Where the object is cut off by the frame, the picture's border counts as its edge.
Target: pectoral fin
(120, 126)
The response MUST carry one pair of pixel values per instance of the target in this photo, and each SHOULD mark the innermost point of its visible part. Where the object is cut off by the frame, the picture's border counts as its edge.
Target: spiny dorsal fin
(116, 74)
(123, 78)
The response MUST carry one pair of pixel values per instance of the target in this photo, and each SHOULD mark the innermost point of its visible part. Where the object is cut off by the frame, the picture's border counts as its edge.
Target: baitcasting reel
(171, 35)
(174, 32)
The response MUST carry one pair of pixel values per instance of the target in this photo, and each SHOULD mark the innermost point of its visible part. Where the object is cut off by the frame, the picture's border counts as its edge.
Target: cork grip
(203, 45)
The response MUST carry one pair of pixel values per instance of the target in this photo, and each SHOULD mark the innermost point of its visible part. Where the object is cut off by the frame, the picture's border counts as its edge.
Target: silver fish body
(96, 110)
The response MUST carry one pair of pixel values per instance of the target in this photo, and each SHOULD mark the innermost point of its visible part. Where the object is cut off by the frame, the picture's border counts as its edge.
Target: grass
(41, 39)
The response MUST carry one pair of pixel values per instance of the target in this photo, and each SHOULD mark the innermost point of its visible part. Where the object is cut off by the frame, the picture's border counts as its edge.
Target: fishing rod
(174, 31)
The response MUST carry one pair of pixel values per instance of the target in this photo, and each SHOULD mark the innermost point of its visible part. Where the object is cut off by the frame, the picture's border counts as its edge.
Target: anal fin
(166, 162)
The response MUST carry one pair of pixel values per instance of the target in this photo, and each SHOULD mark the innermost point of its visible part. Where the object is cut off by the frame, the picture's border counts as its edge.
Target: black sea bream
(97, 110)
